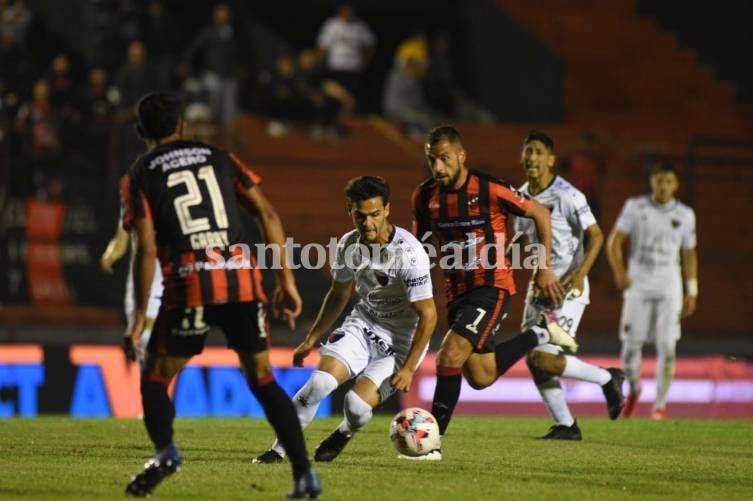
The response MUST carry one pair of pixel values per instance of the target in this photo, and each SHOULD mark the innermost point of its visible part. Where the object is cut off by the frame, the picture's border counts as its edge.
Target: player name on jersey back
(189, 191)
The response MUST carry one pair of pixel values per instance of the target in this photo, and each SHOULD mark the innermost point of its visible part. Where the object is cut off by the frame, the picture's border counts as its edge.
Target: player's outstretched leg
(549, 331)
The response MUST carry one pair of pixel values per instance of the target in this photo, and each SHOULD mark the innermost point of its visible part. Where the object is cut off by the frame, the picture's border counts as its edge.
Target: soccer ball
(414, 432)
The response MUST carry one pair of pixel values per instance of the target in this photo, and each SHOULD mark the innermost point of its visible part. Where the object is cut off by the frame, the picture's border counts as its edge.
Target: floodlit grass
(485, 458)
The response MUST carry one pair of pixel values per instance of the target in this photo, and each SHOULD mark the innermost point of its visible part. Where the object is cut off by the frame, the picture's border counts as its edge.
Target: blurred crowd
(66, 112)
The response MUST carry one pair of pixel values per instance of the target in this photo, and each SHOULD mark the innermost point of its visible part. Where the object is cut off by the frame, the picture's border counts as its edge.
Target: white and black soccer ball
(414, 432)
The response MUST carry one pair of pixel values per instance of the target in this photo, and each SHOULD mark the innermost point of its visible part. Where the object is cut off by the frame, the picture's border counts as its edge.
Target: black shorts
(478, 314)
(182, 332)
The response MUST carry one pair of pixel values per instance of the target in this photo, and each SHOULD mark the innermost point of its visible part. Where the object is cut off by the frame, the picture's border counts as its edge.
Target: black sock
(446, 396)
(159, 413)
(514, 349)
(281, 415)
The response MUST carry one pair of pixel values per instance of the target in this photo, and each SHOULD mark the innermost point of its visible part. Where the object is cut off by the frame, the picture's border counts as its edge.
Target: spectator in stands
(443, 91)
(276, 96)
(11, 59)
(404, 99)
(134, 79)
(38, 125)
(161, 37)
(331, 103)
(218, 49)
(101, 42)
(15, 20)
(62, 83)
(415, 48)
(93, 99)
(347, 45)
(93, 121)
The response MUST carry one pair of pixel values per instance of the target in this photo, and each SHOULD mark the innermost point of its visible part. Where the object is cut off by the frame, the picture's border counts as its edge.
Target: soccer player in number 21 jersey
(180, 199)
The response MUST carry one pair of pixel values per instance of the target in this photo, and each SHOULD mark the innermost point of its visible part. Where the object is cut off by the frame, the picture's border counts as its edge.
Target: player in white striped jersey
(385, 337)
(662, 237)
(576, 241)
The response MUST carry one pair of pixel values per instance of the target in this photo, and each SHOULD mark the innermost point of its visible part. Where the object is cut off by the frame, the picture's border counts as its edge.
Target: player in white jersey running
(662, 237)
(572, 225)
(385, 337)
(116, 249)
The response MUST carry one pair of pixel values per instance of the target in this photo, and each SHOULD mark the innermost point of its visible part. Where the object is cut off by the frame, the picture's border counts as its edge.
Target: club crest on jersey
(333, 338)
(675, 223)
(473, 202)
(381, 278)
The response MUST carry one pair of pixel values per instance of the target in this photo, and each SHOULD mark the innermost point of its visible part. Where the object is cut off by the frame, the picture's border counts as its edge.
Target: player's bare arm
(332, 307)
(427, 322)
(545, 279)
(689, 259)
(286, 300)
(116, 249)
(144, 263)
(616, 259)
(594, 241)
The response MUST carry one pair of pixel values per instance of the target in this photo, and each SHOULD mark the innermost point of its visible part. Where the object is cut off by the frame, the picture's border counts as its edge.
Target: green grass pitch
(485, 458)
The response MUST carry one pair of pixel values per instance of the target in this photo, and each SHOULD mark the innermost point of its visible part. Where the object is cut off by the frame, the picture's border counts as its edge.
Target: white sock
(306, 400)
(554, 399)
(357, 413)
(632, 356)
(542, 334)
(665, 372)
(576, 368)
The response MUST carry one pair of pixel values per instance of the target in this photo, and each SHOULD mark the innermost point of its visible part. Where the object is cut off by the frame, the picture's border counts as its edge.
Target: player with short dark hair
(385, 337)
(468, 210)
(662, 235)
(576, 241)
(181, 200)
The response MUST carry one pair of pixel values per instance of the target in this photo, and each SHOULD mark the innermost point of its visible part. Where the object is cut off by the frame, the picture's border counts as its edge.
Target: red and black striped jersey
(188, 189)
(464, 222)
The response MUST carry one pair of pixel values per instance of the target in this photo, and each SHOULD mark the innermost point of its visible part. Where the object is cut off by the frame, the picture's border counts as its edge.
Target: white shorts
(569, 313)
(366, 349)
(650, 319)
